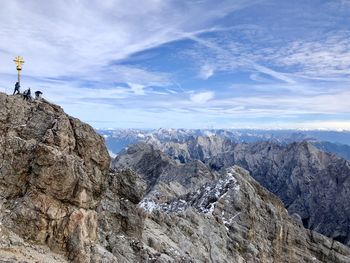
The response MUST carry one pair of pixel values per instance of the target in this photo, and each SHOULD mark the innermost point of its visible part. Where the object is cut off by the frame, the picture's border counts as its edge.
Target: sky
(264, 64)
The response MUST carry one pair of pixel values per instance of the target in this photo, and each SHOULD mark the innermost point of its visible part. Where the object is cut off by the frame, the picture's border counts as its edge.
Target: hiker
(27, 95)
(38, 94)
(17, 86)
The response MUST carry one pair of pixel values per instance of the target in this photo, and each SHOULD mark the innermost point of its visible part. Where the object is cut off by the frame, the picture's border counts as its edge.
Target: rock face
(229, 217)
(61, 202)
(195, 148)
(52, 172)
(14, 249)
(162, 173)
(312, 184)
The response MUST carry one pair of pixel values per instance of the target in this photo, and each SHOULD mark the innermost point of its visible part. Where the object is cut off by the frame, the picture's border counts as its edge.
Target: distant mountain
(311, 183)
(304, 174)
(117, 139)
(211, 216)
(341, 150)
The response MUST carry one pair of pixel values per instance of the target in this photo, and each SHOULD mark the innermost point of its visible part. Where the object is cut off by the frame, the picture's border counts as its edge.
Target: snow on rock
(148, 205)
(203, 199)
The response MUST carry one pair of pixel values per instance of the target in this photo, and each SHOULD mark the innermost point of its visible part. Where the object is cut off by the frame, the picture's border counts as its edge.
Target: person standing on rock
(17, 86)
(27, 94)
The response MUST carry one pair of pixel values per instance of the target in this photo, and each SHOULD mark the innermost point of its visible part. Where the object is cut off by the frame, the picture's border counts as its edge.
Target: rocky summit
(63, 201)
(52, 172)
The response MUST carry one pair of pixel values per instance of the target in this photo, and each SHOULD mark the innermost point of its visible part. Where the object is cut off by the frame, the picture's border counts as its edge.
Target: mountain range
(64, 199)
(312, 184)
(337, 142)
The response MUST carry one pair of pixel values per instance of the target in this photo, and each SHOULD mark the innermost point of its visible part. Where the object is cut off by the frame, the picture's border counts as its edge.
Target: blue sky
(184, 64)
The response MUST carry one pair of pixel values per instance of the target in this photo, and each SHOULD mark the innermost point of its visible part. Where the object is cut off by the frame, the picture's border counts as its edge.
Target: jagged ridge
(57, 190)
(313, 185)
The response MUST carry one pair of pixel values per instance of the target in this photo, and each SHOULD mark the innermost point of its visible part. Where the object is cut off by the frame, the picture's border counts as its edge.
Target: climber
(17, 86)
(38, 94)
(27, 95)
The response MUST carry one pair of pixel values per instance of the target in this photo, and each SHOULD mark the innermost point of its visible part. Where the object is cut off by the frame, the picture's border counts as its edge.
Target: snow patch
(140, 135)
(148, 205)
(212, 194)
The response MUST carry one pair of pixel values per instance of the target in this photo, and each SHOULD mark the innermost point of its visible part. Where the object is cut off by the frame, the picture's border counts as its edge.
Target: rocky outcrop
(228, 218)
(52, 172)
(162, 173)
(14, 249)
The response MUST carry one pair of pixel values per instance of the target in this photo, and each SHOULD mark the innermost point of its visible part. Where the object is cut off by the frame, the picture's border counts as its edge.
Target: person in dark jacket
(38, 94)
(27, 95)
(17, 86)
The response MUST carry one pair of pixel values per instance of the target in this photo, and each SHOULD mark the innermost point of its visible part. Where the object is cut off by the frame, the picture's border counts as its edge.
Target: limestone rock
(226, 218)
(52, 172)
(311, 183)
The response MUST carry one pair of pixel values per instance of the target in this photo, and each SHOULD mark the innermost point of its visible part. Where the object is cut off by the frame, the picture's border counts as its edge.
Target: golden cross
(19, 61)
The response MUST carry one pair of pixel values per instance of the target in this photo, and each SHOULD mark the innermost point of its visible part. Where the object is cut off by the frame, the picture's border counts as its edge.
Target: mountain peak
(53, 169)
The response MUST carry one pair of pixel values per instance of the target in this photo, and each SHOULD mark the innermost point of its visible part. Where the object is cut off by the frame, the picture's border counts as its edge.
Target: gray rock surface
(342, 150)
(228, 218)
(313, 184)
(159, 171)
(14, 249)
(52, 172)
(60, 202)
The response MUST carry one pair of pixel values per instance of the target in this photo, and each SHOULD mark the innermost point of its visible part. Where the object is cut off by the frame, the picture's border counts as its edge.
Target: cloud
(231, 57)
(202, 97)
(323, 125)
(339, 125)
(85, 45)
(327, 57)
(206, 71)
(273, 73)
(137, 88)
(135, 62)
(69, 37)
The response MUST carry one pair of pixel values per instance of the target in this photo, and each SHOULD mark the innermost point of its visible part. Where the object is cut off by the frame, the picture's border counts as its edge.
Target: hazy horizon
(229, 129)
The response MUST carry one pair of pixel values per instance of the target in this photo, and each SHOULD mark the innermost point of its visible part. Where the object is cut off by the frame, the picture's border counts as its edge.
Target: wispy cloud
(273, 73)
(231, 57)
(206, 71)
(137, 88)
(84, 41)
(327, 57)
(202, 97)
(68, 37)
(184, 63)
